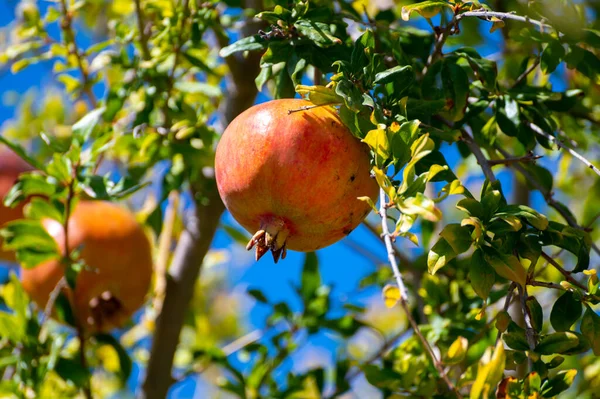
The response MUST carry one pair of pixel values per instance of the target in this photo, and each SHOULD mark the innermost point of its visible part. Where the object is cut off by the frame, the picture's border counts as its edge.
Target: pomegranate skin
(118, 254)
(11, 166)
(293, 178)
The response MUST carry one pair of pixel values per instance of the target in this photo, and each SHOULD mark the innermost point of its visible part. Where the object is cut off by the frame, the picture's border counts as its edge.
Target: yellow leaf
(497, 23)
(457, 351)
(378, 141)
(370, 202)
(319, 95)
(391, 295)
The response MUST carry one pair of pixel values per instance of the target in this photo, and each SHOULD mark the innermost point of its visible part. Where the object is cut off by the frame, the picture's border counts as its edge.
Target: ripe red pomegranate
(118, 254)
(11, 166)
(292, 178)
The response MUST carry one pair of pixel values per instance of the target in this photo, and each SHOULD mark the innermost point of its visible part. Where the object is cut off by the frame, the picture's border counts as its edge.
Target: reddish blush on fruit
(292, 179)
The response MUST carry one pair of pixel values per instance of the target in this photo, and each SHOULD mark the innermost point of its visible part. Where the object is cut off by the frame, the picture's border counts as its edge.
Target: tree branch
(507, 161)
(481, 159)
(193, 245)
(72, 49)
(501, 15)
(143, 37)
(565, 273)
(526, 73)
(404, 294)
(561, 145)
(195, 241)
(530, 332)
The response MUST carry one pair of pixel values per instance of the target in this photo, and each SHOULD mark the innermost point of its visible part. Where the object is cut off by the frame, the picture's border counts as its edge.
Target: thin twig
(67, 27)
(507, 161)
(526, 73)
(164, 250)
(242, 342)
(404, 260)
(561, 145)
(537, 283)
(389, 246)
(439, 44)
(481, 159)
(404, 294)
(62, 283)
(530, 332)
(564, 272)
(143, 37)
(501, 15)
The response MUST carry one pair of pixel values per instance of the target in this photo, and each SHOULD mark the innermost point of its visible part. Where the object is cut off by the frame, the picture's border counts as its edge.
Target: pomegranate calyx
(104, 308)
(272, 236)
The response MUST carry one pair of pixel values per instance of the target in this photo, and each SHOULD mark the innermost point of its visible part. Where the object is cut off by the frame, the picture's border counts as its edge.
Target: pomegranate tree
(291, 174)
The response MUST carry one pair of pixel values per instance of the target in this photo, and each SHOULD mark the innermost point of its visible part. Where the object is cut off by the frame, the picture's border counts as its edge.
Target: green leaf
(382, 377)
(559, 383)
(471, 206)
(399, 73)
(440, 255)
(61, 168)
(71, 370)
(362, 49)
(458, 237)
(30, 240)
(39, 209)
(191, 56)
(572, 239)
(584, 61)
(249, 43)
(29, 184)
(55, 144)
(456, 89)
(536, 312)
(350, 93)
(559, 342)
(427, 9)
(590, 328)
(20, 151)
(317, 32)
(482, 275)
(485, 69)
(506, 265)
(552, 56)
(311, 278)
(565, 312)
(83, 128)
(508, 116)
(516, 341)
(533, 217)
